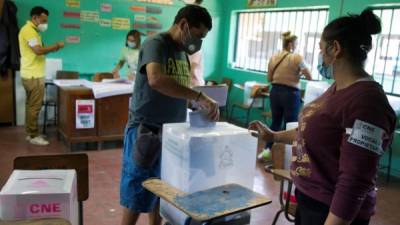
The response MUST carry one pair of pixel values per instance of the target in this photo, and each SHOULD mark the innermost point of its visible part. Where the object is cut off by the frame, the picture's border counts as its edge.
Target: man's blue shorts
(132, 195)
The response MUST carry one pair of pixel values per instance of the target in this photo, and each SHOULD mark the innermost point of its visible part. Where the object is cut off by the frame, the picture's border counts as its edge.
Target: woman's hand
(115, 74)
(262, 130)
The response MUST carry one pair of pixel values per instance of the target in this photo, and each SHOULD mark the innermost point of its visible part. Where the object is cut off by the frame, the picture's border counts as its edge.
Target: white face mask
(131, 44)
(42, 27)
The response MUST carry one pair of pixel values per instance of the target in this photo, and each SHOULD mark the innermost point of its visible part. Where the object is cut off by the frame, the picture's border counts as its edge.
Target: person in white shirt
(196, 69)
(129, 55)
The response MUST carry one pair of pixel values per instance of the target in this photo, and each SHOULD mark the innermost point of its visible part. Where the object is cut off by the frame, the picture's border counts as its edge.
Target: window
(384, 59)
(259, 36)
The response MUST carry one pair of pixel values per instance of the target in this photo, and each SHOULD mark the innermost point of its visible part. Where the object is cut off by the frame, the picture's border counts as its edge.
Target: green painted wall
(336, 8)
(100, 46)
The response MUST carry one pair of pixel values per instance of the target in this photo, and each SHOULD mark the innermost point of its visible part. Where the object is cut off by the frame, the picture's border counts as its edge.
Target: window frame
(379, 42)
(234, 60)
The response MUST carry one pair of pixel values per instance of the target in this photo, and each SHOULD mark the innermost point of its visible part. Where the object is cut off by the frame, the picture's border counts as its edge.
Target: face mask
(326, 71)
(131, 44)
(192, 44)
(42, 27)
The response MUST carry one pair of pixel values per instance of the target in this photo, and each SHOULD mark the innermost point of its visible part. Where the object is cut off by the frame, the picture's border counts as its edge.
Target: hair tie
(366, 48)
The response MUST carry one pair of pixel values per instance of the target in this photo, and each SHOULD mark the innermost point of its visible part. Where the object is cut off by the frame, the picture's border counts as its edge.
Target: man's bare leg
(129, 217)
(154, 217)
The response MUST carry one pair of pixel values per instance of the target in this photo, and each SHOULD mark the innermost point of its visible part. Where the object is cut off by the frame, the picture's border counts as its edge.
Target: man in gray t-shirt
(160, 96)
(150, 105)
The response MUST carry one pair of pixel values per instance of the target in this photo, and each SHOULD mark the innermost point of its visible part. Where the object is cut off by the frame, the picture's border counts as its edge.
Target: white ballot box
(30, 194)
(195, 159)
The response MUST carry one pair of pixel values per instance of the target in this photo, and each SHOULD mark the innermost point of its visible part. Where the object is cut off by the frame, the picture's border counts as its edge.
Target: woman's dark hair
(195, 15)
(353, 32)
(38, 10)
(134, 33)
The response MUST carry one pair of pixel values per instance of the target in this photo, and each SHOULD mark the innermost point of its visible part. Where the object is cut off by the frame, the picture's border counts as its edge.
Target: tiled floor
(102, 207)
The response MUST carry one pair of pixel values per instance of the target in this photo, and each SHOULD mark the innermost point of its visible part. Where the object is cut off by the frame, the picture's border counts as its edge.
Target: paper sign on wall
(140, 18)
(90, 16)
(73, 39)
(146, 9)
(162, 2)
(118, 23)
(70, 25)
(261, 3)
(105, 22)
(84, 114)
(73, 3)
(106, 7)
(70, 14)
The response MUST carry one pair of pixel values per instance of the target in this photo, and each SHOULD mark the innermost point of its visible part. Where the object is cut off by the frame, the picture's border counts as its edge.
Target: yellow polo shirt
(32, 65)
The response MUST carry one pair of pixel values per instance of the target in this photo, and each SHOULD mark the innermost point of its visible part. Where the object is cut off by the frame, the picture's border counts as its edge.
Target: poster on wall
(105, 22)
(146, 9)
(106, 7)
(73, 3)
(261, 3)
(70, 25)
(146, 22)
(140, 18)
(153, 23)
(70, 14)
(90, 16)
(73, 39)
(118, 23)
(161, 2)
(84, 114)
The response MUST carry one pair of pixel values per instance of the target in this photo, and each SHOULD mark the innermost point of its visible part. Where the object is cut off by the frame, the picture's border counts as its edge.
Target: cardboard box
(30, 194)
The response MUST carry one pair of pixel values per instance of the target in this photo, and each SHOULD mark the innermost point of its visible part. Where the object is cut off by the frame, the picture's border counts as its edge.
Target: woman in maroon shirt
(342, 134)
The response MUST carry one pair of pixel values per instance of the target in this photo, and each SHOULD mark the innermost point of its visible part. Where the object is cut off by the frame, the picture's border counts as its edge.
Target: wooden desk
(208, 204)
(111, 116)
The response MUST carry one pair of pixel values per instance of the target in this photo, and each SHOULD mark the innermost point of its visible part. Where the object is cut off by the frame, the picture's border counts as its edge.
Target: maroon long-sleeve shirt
(341, 136)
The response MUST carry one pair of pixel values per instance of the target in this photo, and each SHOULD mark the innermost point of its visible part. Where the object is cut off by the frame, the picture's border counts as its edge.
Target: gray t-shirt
(148, 105)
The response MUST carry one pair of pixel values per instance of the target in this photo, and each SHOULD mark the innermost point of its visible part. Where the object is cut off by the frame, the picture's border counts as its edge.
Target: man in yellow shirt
(33, 70)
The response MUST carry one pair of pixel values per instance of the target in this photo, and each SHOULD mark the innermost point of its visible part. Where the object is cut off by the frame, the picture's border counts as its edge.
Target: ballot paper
(101, 90)
(117, 81)
(71, 82)
(217, 92)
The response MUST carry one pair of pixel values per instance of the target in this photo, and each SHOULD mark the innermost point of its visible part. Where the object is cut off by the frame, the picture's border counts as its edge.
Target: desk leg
(389, 166)
(80, 213)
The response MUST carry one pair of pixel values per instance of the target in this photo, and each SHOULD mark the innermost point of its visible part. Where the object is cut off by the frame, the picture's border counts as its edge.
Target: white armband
(33, 42)
(367, 136)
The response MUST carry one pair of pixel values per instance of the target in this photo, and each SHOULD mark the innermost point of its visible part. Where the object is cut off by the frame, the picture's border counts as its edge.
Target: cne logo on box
(45, 208)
